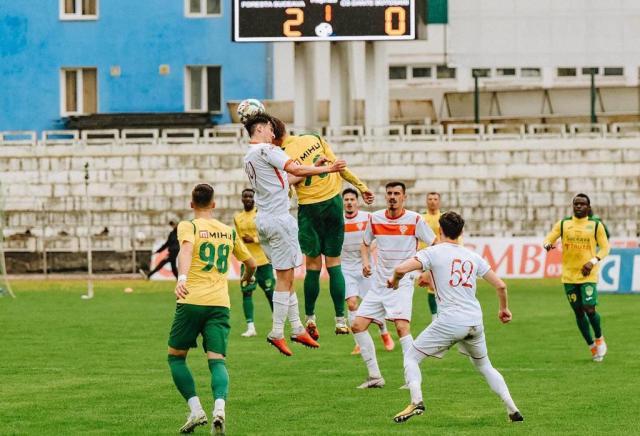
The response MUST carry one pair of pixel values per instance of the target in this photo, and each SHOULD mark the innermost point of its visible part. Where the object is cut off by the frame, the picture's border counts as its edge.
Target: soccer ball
(140, 236)
(248, 108)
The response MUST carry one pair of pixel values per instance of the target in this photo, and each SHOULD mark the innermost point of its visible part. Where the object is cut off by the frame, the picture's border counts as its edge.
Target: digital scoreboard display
(323, 20)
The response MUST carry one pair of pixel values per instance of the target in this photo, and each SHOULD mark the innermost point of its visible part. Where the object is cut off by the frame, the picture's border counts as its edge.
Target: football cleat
(217, 426)
(312, 329)
(594, 354)
(409, 411)
(249, 333)
(387, 341)
(193, 421)
(305, 339)
(601, 346)
(356, 350)
(516, 417)
(372, 382)
(281, 345)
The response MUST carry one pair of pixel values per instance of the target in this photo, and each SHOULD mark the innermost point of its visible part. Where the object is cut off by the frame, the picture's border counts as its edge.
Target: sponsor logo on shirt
(204, 234)
(403, 229)
(360, 225)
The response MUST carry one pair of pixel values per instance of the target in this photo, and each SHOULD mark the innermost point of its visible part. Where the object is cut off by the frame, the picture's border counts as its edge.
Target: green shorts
(191, 320)
(581, 293)
(321, 227)
(264, 278)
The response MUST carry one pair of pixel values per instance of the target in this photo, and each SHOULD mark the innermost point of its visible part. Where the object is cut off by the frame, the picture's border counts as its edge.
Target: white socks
(368, 353)
(218, 407)
(251, 326)
(412, 374)
(352, 316)
(294, 314)
(383, 326)
(280, 312)
(194, 405)
(495, 381)
(406, 342)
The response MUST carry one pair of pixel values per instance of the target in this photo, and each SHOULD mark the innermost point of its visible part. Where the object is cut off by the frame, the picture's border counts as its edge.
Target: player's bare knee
(178, 353)
(212, 355)
(402, 327)
(314, 263)
(360, 324)
(352, 303)
(331, 261)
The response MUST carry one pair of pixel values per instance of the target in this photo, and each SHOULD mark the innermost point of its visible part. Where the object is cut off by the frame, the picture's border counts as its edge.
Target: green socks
(182, 376)
(594, 320)
(433, 306)
(247, 306)
(312, 290)
(337, 288)
(583, 326)
(269, 295)
(219, 378)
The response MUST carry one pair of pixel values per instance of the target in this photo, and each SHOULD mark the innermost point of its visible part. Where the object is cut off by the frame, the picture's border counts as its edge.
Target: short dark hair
(451, 224)
(202, 195)
(171, 223)
(279, 128)
(394, 184)
(247, 189)
(254, 120)
(350, 191)
(434, 193)
(585, 196)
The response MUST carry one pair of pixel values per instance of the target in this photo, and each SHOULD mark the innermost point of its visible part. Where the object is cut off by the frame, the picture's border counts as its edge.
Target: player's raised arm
(298, 170)
(186, 236)
(501, 290)
(552, 237)
(401, 270)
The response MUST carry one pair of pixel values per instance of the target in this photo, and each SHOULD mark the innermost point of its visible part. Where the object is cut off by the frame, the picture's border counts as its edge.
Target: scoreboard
(323, 20)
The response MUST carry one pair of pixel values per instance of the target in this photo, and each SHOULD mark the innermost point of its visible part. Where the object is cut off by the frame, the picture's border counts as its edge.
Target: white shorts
(436, 339)
(385, 303)
(279, 240)
(356, 285)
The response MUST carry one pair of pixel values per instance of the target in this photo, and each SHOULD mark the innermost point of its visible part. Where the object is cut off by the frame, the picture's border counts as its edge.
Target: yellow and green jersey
(306, 150)
(433, 221)
(245, 224)
(582, 240)
(213, 243)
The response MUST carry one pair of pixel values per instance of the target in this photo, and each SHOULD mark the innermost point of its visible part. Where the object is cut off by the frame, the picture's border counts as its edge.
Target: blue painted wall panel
(138, 36)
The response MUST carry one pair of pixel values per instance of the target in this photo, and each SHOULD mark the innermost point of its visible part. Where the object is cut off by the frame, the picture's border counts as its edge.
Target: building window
(203, 89)
(79, 91)
(421, 72)
(78, 9)
(202, 8)
(445, 72)
(587, 71)
(398, 73)
(566, 72)
(505, 72)
(530, 72)
(481, 72)
(613, 71)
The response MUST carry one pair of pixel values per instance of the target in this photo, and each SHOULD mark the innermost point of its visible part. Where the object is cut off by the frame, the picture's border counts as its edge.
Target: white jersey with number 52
(455, 270)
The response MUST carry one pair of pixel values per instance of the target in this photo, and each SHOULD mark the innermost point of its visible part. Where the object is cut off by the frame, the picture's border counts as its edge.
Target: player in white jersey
(454, 270)
(356, 284)
(396, 232)
(267, 166)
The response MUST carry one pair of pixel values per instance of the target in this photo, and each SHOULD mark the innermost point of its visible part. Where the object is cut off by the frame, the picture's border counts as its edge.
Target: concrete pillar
(377, 83)
(340, 97)
(283, 71)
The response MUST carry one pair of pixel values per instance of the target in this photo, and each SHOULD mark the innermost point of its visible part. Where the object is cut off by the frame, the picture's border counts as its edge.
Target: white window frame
(203, 8)
(78, 16)
(79, 90)
(204, 91)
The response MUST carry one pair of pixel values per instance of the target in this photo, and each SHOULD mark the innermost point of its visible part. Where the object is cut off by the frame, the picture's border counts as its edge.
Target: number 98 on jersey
(323, 20)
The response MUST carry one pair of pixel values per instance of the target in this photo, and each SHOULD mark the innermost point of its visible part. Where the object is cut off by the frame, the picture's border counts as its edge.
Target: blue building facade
(74, 57)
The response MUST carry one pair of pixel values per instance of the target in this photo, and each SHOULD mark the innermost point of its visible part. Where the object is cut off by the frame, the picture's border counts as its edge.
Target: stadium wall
(127, 44)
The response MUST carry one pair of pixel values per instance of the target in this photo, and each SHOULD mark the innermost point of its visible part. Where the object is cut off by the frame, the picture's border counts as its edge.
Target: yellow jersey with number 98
(213, 243)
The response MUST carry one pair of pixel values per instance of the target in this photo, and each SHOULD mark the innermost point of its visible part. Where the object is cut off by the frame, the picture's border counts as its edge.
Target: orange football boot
(305, 339)
(281, 345)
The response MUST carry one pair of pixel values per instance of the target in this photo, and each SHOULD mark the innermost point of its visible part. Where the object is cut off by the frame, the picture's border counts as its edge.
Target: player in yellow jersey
(245, 224)
(203, 304)
(320, 221)
(584, 245)
(431, 216)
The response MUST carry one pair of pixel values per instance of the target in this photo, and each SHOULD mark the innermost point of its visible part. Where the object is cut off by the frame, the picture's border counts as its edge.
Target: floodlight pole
(89, 293)
(594, 119)
(476, 99)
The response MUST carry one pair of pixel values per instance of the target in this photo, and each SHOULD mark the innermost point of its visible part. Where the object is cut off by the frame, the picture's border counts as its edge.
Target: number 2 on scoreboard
(296, 20)
(461, 273)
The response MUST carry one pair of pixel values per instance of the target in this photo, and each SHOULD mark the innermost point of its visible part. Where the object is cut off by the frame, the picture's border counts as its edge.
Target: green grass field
(70, 366)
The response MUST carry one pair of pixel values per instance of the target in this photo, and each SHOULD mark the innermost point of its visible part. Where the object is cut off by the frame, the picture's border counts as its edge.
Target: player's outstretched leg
(220, 389)
(183, 380)
(600, 345)
(280, 312)
(368, 353)
(497, 384)
(413, 378)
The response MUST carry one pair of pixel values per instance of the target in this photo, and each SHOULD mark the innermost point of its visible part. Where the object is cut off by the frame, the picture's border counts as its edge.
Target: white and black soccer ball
(324, 30)
(248, 108)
